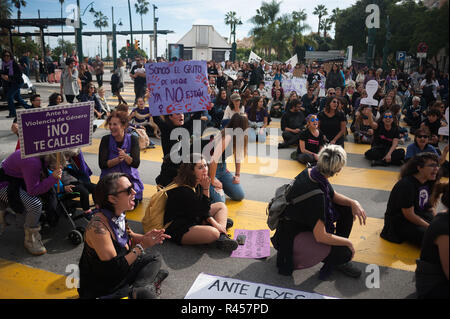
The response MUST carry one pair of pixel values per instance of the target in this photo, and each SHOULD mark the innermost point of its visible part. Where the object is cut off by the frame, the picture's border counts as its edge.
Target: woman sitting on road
(120, 152)
(332, 122)
(409, 212)
(363, 132)
(114, 263)
(311, 142)
(384, 149)
(233, 140)
(432, 271)
(90, 95)
(200, 222)
(235, 107)
(257, 120)
(324, 220)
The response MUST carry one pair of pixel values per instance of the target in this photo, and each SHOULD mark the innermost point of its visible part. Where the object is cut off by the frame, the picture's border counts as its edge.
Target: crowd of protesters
(327, 111)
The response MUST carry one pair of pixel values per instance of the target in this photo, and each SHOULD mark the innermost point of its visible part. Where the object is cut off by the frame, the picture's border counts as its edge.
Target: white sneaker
(33, 242)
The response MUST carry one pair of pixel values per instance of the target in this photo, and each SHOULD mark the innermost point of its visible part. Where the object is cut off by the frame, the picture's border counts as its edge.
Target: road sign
(421, 55)
(422, 47)
(400, 56)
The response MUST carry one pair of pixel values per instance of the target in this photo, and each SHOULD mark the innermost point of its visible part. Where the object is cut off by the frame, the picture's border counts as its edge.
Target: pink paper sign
(257, 244)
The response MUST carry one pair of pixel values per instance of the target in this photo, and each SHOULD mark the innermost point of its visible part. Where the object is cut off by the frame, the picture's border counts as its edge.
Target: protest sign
(231, 74)
(292, 61)
(55, 129)
(215, 287)
(298, 85)
(253, 57)
(257, 244)
(177, 87)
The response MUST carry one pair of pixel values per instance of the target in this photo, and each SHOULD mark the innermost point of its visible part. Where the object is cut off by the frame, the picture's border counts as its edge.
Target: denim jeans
(254, 133)
(234, 191)
(13, 93)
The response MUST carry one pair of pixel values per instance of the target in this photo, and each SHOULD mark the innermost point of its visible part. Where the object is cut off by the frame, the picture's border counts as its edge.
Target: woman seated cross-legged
(193, 218)
(115, 262)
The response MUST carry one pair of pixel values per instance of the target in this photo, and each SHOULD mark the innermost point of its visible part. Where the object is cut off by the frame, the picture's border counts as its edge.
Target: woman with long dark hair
(409, 212)
(332, 122)
(193, 218)
(257, 120)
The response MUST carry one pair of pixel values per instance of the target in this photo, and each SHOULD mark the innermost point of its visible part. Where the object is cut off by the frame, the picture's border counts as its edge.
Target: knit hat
(235, 97)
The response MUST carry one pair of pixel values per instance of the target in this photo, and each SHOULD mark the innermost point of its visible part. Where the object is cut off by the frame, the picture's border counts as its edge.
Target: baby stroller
(75, 174)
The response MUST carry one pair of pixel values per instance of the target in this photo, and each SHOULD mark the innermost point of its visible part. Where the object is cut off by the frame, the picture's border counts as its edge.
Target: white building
(202, 42)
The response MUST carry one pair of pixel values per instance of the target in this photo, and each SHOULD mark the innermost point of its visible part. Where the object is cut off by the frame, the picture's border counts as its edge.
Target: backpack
(278, 204)
(154, 213)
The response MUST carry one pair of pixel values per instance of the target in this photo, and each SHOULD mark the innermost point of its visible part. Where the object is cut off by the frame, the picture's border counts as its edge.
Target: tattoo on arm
(97, 226)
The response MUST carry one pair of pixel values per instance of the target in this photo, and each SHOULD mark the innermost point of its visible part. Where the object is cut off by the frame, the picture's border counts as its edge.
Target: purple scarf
(331, 215)
(10, 67)
(118, 226)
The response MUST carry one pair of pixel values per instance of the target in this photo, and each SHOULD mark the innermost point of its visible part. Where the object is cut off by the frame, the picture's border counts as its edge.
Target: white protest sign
(253, 57)
(215, 287)
(292, 61)
(371, 89)
(231, 74)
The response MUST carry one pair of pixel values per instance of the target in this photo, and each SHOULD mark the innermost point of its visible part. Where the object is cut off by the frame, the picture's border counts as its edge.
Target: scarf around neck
(118, 226)
(331, 215)
(10, 67)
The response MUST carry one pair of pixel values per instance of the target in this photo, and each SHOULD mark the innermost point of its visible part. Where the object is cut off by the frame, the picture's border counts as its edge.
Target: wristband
(141, 248)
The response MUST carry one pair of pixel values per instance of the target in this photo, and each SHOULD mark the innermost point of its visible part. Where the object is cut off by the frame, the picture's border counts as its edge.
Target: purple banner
(55, 128)
(177, 87)
(257, 244)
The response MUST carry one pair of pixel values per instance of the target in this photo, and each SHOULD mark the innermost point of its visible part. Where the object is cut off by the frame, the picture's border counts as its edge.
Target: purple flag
(54, 129)
(177, 87)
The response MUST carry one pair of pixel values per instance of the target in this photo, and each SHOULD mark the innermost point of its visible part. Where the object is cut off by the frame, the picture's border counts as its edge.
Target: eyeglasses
(422, 136)
(128, 190)
(387, 116)
(314, 120)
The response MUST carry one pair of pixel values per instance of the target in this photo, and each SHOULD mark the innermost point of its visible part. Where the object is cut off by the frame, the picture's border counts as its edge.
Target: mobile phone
(241, 239)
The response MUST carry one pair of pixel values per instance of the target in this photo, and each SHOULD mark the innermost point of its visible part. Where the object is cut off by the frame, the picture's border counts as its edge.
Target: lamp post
(78, 31)
(155, 21)
(114, 39)
(131, 22)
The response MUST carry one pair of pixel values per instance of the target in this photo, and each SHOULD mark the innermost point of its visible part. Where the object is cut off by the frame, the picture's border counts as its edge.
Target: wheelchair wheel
(75, 237)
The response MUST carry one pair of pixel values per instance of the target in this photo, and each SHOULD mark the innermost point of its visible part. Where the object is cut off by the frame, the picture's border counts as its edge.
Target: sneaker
(148, 292)
(230, 223)
(349, 270)
(160, 276)
(226, 244)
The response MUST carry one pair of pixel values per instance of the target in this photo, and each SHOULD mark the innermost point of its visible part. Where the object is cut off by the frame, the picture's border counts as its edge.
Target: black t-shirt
(330, 126)
(185, 204)
(439, 226)
(433, 127)
(409, 192)
(309, 211)
(312, 143)
(384, 138)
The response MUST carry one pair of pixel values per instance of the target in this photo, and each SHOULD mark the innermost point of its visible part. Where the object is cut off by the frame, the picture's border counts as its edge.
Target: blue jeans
(234, 191)
(254, 133)
(13, 93)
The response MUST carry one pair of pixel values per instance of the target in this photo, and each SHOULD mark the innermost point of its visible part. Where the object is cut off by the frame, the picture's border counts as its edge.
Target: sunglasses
(332, 93)
(128, 190)
(314, 120)
(388, 116)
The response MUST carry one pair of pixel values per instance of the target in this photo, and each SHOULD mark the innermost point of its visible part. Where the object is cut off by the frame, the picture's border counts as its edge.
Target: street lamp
(114, 40)
(78, 30)
(155, 21)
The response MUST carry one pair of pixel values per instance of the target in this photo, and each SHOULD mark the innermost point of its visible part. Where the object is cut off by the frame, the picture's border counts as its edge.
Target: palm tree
(325, 25)
(5, 13)
(232, 21)
(18, 4)
(320, 11)
(100, 22)
(141, 7)
(265, 21)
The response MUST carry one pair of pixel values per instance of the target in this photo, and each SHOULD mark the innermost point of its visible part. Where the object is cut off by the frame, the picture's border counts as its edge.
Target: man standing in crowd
(137, 73)
(98, 68)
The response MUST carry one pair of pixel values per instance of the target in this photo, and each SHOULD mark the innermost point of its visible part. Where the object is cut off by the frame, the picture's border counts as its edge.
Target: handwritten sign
(55, 129)
(177, 87)
(298, 85)
(215, 287)
(257, 244)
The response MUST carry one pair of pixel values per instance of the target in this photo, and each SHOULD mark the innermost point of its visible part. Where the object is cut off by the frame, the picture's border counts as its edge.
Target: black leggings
(84, 189)
(377, 154)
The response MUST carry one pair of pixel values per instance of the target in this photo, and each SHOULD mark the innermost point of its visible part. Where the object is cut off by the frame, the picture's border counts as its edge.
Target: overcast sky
(175, 15)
